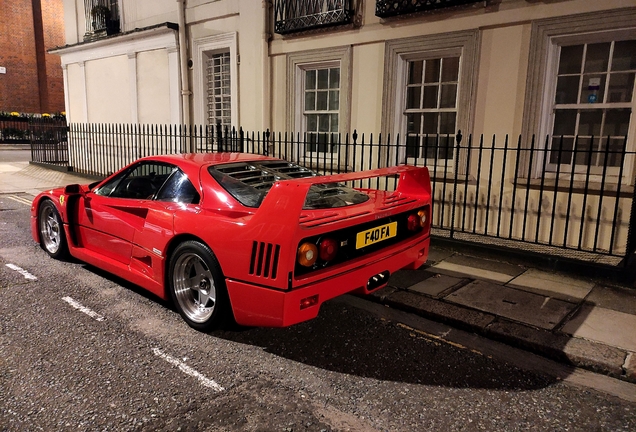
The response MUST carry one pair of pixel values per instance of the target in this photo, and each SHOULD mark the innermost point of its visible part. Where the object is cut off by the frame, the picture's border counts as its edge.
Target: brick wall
(33, 79)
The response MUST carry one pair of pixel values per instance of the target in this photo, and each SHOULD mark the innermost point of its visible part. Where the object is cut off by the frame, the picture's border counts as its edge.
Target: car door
(109, 216)
(150, 238)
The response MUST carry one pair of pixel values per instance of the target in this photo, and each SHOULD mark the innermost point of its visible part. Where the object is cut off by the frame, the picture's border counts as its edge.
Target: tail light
(419, 220)
(328, 249)
(307, 254)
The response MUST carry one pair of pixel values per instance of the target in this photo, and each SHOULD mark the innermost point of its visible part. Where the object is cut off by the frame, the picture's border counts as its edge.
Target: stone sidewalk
(585, 323)
(582, 322)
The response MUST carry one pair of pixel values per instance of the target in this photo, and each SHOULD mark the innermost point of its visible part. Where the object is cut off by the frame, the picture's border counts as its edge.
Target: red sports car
(251, 237)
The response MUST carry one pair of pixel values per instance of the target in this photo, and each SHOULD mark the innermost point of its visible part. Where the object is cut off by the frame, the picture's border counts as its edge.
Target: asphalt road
(81, 350)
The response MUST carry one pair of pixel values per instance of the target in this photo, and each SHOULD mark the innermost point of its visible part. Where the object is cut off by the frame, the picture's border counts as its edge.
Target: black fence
(14, 130)
(564, 196)
(47, 137)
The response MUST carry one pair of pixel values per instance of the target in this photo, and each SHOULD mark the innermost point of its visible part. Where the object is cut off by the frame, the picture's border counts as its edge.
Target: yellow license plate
(375, 235)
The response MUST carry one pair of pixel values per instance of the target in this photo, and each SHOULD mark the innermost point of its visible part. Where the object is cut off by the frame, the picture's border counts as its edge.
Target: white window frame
(464, 44)
(202, 48)
(300, 112)
(401, 119)
(297, 64)
(547, 38)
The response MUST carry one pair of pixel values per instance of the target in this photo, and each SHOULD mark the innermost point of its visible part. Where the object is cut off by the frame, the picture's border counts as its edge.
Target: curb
(573, 351)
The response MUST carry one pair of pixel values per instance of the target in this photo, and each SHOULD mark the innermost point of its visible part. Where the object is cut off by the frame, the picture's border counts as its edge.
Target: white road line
(188, 370)
(22, 271)
(84, 309)
(20, 199)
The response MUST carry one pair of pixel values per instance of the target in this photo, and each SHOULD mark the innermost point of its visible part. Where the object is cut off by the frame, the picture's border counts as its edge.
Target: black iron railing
(14, 130)
(389, 8)
(499, 192)
(49, 142)
(102, 18)
(47, 137)
(299, 15)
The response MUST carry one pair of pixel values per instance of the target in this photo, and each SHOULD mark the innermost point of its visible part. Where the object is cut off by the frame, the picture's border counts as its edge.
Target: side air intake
(264, 259)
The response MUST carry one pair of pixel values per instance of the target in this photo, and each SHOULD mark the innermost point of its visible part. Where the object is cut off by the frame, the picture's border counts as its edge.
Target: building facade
(30, 78)
(558, 74)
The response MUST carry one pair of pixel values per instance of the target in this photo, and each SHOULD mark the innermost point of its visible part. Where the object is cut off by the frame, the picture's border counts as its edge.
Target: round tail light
(413, 222)
(328, 249)
(307, 254)
(423, 217)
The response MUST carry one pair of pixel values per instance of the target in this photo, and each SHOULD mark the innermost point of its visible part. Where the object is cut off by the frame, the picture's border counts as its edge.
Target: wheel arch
(173, 244)
(37, 205)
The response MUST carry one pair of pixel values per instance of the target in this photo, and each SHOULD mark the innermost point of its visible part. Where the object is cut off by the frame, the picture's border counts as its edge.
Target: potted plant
(100, 15)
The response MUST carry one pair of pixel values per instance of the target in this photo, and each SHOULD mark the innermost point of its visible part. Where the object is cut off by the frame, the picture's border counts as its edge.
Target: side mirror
(72, 189)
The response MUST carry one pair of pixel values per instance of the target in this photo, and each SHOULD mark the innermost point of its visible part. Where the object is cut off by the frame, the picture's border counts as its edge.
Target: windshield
(249, 182)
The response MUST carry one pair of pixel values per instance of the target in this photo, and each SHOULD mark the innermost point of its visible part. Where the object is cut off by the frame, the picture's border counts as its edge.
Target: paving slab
(436, 285)
(630, 367)
(552, 285)
(457, 270)
(32, 179)
(579, 352)
(534, 309)
(439, 310)
(406, 278)
(615, 298)
(486, 264)
(604, 325)
(436, 255)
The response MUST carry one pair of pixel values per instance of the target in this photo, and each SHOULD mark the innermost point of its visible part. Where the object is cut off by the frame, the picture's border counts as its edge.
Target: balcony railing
(389, 8)
(102, 18)
(299, 15)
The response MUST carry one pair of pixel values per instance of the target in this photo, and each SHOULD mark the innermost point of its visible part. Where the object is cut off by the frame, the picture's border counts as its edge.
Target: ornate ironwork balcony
(389, 8)
(299, 15)
(102, 18)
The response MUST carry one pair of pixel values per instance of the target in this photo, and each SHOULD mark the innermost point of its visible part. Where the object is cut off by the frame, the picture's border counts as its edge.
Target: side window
(179, 189)
(140, 182)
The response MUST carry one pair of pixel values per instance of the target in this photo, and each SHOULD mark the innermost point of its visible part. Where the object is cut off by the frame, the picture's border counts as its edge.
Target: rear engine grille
(393, 201)
(264, 259)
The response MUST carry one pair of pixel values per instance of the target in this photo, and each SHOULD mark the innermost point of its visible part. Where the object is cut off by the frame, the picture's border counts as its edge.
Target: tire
(51, 230)
(197, 287)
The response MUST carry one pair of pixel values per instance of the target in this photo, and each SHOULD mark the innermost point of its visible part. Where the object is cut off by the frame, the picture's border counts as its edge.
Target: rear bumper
(264, 307)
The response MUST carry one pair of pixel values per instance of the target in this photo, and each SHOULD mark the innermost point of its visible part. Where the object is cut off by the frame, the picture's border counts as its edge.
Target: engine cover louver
(264, 259)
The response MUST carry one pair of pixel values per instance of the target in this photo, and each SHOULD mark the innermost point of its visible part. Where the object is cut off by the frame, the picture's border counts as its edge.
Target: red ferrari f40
(238, 236)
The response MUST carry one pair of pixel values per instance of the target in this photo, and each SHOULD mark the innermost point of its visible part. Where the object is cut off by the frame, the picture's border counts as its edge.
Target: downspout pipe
(183, 65)
(266, 117)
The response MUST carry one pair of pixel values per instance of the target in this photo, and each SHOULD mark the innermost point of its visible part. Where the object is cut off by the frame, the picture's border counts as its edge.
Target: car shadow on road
(350, 341)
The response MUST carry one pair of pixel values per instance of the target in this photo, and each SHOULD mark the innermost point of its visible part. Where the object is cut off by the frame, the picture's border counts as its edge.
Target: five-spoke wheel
(52, 237)
(197, 287)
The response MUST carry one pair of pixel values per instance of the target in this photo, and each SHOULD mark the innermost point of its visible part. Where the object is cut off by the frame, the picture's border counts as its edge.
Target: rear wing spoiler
(286, 198)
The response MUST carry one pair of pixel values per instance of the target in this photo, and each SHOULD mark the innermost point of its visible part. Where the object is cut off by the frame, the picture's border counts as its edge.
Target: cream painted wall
(249, 27)
(153, 85)
(278, 88)
(107, 90)
(72, 8)
(501, 82)
(75, 112)
(366, 100)
(139, 14)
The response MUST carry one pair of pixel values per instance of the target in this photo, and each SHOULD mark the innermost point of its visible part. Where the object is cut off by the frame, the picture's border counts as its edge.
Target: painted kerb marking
(188, 370)
(22, 271)
(84, 309)
(20, 199)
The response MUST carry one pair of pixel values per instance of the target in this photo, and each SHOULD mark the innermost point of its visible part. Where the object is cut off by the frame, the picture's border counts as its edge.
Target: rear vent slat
(264, 259)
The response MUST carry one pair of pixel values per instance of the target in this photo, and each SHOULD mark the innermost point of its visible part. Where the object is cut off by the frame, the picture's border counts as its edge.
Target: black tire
(51, 230)
(197, 287)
